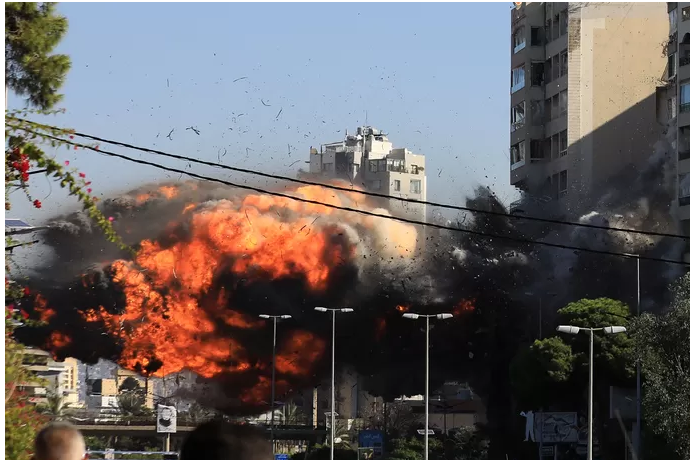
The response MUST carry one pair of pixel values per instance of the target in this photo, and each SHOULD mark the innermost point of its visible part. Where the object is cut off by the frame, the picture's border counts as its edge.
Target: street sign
(166, 422)
(282, 456)
(431, 432)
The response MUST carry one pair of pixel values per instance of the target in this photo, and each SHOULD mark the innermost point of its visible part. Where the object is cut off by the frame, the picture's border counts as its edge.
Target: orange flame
(402, 308)
(464, 306)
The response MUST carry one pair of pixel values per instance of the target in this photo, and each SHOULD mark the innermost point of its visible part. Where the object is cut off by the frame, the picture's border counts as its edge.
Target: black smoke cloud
(504, 280)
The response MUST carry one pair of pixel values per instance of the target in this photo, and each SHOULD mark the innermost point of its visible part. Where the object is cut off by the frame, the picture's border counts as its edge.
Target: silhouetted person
(59, 441)
(217, 440)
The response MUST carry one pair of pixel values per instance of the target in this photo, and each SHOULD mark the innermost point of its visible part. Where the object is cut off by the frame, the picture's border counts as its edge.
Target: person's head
(59, 441)
(217, 440)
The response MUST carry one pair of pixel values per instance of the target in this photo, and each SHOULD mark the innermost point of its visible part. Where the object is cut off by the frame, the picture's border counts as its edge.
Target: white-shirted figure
(529, 425)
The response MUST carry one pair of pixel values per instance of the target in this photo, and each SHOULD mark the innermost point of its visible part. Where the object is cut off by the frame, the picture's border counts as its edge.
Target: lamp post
(590, 401)
(440, 316)
(275, 319)
(333, 313)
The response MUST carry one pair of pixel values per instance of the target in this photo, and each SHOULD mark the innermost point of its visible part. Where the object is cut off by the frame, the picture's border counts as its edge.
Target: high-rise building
(367, 159)
(584, 80)
(678, 101)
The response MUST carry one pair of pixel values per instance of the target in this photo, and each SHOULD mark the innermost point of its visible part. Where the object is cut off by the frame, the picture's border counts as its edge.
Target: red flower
(25, 315)
(67, 163)
(25, 176)
(88, 183)
(111, 218)
(96, 147)
(27, 291)
(82, 175)
(71, 137)
(88, 190)
(37, 204)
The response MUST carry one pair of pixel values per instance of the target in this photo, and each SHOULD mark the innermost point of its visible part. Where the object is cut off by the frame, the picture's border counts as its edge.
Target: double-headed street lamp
(333, 312)
(275, 319)
(440, 316)
(590, 402)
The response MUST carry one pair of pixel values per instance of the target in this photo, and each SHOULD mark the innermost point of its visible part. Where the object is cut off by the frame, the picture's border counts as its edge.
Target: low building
(53, 377)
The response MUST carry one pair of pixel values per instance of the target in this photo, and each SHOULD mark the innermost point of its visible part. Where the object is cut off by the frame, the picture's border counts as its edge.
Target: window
(375, 185)
(517, 154)
(564, 63)
(563, 183)
(536, 152)
(396, 185)
(327, 167)
(547, 71)
(672, 108)
(373, 166)
(547, 30)
(536, 112)
(519, 39)
(563, 142)
(555, 112)
(563, 22)
(685, 13)
(673, 19)
(517, 116)
(685, 97)
(671, 65)
(537, 74)
(683, 185)
(414, 169)
(415, 186)
(518, 79)
(564, 102)
(546, 149)
(556, 65)
(555, 29)
(536, 36)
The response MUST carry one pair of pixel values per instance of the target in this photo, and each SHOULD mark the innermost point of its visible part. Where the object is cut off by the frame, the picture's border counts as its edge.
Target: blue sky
(433, 76)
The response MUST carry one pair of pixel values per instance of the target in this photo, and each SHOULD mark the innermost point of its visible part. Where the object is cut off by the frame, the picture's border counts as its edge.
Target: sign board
(556, 427)
(551, 427)
(166, 421)
(282, 457)
(371, 438)
(430, 432)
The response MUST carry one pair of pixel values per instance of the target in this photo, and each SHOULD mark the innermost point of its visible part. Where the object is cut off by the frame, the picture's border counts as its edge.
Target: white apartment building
(368, 159)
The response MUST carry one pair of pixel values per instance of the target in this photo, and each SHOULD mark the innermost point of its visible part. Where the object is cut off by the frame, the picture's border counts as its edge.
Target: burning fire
(176, 318)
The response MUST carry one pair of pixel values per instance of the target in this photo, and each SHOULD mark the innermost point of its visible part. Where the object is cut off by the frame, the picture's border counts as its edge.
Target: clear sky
(435, 77)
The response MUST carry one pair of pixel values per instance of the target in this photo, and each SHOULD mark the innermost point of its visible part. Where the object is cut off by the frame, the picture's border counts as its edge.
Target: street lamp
(275, 319)
(590, 402)
(333, 312)
(440, 316)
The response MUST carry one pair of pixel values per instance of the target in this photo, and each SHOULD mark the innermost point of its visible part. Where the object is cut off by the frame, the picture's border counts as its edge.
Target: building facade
(584, 79)
(678, 102)
(54, 378)
(368, 159)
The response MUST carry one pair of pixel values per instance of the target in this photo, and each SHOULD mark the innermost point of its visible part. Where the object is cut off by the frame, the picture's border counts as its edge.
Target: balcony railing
(684, 108)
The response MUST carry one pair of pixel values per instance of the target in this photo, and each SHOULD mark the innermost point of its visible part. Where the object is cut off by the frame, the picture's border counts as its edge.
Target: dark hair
(218, 440)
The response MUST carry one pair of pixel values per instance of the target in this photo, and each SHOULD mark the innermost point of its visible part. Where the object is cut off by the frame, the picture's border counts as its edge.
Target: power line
(363, 192)
(359, 211)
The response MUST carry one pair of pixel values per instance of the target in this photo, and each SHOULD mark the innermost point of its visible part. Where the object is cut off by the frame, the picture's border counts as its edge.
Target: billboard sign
(166, 421)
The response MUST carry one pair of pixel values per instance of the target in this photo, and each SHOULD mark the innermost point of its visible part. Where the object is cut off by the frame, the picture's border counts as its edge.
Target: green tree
(32, 32)
(55, 406)
(466, 443)
(131, 400)
(413, 449)
(663, 344)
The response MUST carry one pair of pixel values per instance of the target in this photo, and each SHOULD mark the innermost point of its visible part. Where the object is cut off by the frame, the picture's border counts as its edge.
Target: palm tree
(55, 406)
(292, 414)
(342, 433)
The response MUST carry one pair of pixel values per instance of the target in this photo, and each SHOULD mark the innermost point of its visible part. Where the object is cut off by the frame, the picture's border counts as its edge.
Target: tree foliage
(663, 345)
(32, 32)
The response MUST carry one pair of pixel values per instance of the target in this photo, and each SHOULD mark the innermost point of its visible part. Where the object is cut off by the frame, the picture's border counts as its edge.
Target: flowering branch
(23, 153)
